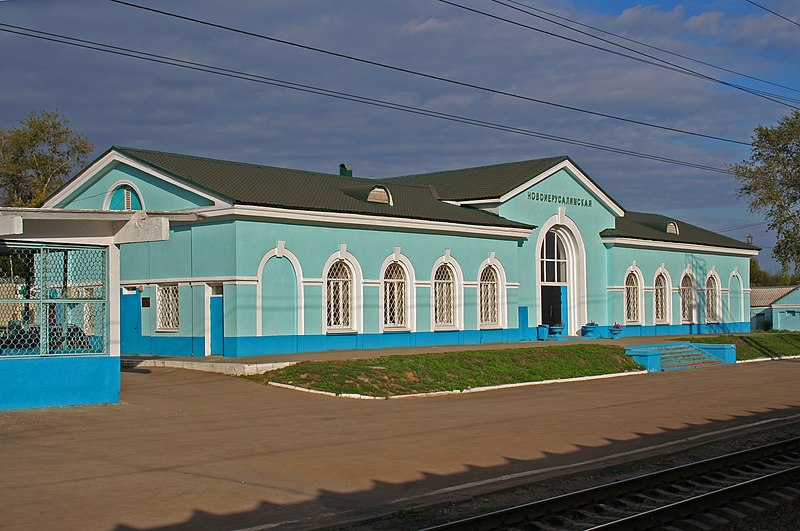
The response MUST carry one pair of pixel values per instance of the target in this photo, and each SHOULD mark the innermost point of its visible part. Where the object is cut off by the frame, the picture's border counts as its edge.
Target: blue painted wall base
(58, 381)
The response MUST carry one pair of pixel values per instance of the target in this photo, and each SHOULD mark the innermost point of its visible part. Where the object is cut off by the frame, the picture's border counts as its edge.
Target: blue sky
(116, 100)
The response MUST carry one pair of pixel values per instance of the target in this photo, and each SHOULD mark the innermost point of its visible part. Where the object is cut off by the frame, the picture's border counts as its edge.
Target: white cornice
(115, 157)
(676, 246)
(339, 218)
(593, 188)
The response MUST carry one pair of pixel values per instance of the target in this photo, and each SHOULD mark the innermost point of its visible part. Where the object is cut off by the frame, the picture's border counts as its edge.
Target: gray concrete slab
(277, 359)
(195, 450)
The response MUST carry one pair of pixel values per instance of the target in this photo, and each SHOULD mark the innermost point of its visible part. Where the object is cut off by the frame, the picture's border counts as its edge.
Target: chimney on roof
(749, 239)
(345, 170)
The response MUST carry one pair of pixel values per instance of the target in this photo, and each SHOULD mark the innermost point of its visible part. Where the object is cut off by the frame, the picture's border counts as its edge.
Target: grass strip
(427, 373)
(756, 344)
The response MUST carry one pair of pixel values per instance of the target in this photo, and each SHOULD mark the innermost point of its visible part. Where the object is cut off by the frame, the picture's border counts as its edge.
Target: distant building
(775, 307)
(281, 260)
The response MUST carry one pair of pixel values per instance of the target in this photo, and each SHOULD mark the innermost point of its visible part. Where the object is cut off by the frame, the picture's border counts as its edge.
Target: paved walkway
(193, 450)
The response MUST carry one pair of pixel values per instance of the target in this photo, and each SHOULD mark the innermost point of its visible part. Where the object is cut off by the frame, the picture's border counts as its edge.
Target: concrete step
(685, 357)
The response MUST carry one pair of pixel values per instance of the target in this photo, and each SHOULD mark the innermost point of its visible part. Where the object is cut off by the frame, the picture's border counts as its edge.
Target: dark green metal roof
(251, 184)
(645, 226)
(483, 182)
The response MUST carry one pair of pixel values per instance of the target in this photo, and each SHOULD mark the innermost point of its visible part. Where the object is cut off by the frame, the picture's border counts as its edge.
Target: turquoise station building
(275, 260)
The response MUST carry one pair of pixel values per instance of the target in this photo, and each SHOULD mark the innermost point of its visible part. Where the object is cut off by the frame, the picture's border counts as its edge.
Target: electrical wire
(787, 19)
(657, 48)
(653, 61)
(426, 75)
(225, 72)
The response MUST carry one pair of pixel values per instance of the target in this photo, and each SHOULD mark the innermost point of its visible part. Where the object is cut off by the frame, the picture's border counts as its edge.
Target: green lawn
(401, 375)
(757, 344)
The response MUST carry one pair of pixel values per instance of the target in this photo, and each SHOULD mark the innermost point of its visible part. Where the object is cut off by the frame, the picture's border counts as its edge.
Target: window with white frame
(488, 295)
(712, 300)
(553, 259)
(167, 309)
(687, 299)
(660, 295)
(394, 296)
(340, 296)
(632, 298)
(444, 294)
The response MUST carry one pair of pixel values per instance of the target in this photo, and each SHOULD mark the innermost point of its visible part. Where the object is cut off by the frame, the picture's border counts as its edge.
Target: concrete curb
(461, 392)
(770, 359)
(233, 369)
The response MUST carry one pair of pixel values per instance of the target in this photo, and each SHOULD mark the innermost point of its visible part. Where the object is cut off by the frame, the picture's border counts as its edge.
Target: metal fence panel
(53, 300)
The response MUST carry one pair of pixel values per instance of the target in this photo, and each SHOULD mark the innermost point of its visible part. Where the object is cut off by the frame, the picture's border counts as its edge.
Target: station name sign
(560, 199)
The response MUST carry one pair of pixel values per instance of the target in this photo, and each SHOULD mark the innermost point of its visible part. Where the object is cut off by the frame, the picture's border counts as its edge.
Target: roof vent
(672, 228)
(379, 194)
(345, 170)
(749, 239)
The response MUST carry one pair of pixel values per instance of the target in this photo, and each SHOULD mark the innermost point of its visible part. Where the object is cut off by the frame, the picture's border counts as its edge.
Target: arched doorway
(561, 274)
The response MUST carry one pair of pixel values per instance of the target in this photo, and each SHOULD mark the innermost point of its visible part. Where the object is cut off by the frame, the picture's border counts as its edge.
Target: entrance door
(551, 305)
(217, 318)
(130, 322)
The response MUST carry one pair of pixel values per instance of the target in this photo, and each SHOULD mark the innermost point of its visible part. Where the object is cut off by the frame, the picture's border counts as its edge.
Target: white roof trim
(676, 246)
(340, 218)
(609, 203)
(114, 156)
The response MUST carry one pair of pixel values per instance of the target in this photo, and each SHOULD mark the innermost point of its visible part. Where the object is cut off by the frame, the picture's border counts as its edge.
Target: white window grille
(167, 309)
(394, 296)
(687, 299)
(631, 298)
(444, 291)
(553, 259)
(661, 300)
(340, 296)
(488, 297)
(712, 301)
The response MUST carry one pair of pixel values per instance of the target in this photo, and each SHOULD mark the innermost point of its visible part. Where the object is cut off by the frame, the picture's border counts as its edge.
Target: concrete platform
(194, 450)
(260, 364)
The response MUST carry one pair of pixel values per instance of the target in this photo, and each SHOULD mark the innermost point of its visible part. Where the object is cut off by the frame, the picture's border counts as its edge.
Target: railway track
(707, 494)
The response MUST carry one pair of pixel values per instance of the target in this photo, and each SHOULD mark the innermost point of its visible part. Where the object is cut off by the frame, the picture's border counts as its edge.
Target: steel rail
(549, 507)
(702, 502)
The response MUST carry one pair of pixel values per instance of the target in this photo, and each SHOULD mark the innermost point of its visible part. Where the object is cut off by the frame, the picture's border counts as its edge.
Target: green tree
(770, 180)
(760, 277)
(37, 157)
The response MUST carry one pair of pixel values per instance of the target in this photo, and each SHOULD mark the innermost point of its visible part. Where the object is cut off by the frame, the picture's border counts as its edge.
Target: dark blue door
(217, 317)
(130, 323)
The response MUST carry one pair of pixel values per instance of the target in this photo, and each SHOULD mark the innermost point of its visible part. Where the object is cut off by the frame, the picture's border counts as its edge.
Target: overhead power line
(740, 227)
(787, 19)
(659, 49)
(428, 76)
(648, 59)
(230, 73)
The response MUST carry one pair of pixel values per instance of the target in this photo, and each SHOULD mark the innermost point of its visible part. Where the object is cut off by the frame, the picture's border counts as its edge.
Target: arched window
(553, 259)
(632, 298)
(340, 296)
(661, 293)
(488, 297)
(712, 300)
(687, 299)
(125, 198)
(444, 294)
(394, 296)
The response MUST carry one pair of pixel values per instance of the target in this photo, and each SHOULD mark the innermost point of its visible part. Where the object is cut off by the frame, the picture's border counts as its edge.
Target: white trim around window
(662, 272)
(500, 294)
(455, 298)
(633, 296)
(713, 306)
(409, 296)
(355, 296)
